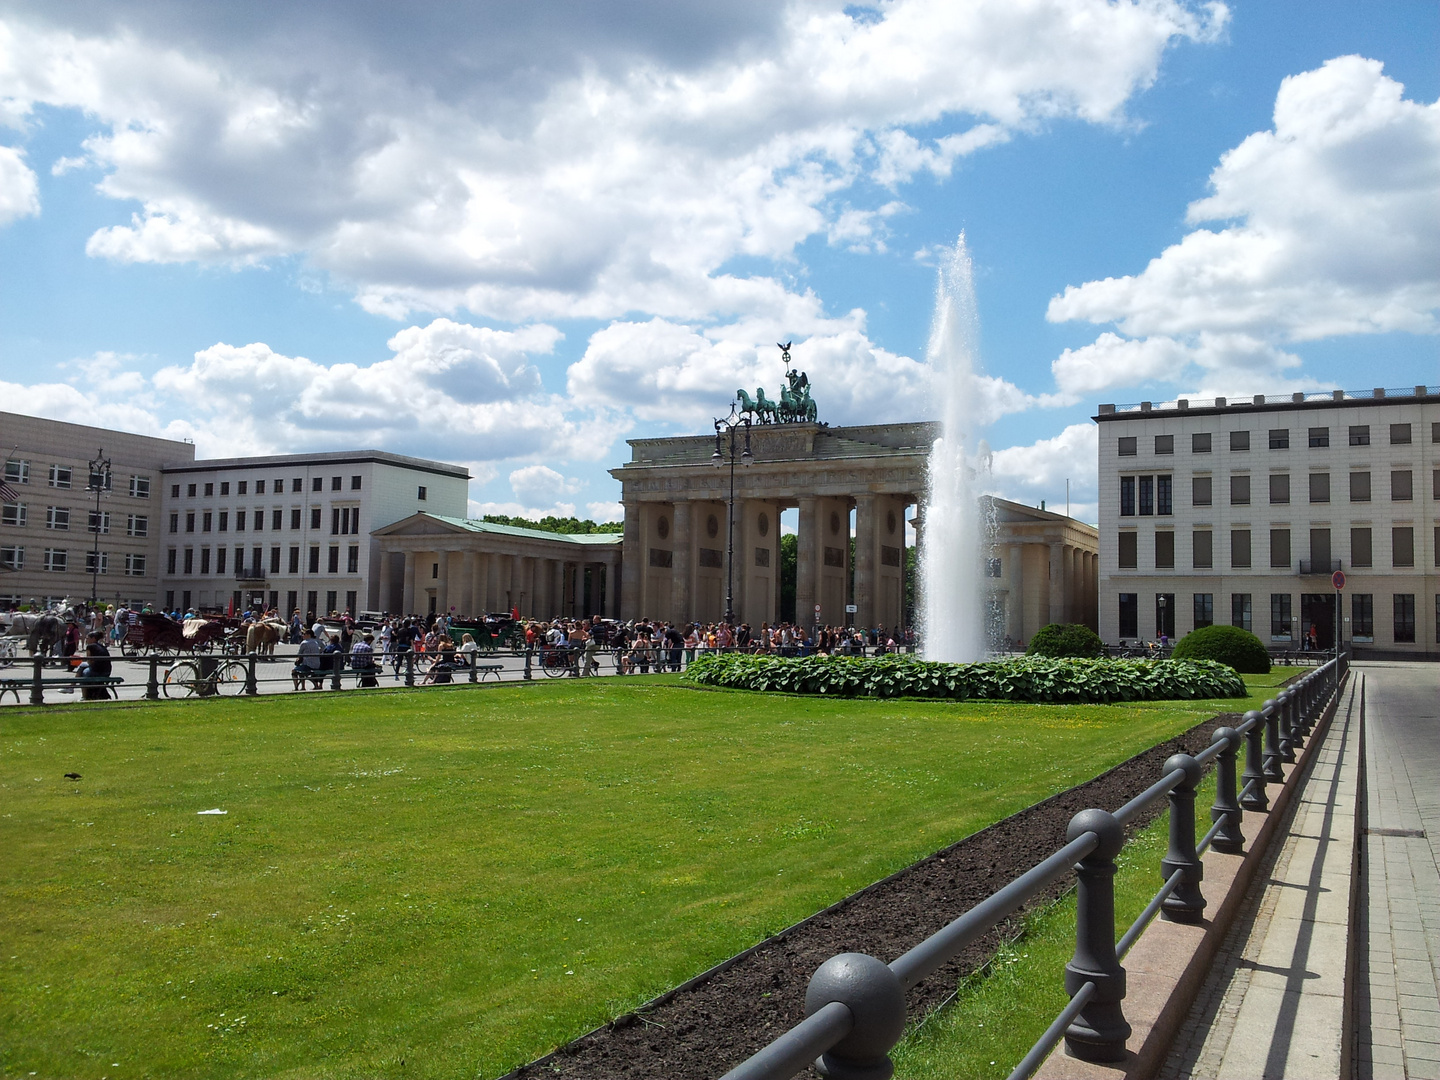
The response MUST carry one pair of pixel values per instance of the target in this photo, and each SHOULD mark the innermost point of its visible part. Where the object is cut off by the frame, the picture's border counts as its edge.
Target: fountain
(955, 538)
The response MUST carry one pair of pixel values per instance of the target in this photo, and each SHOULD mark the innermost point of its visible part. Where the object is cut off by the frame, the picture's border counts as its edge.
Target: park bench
(106, 685)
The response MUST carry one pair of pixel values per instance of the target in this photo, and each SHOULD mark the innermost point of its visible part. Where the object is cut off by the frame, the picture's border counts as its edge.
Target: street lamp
(1160, 600)
(726, 428)
(99, 483)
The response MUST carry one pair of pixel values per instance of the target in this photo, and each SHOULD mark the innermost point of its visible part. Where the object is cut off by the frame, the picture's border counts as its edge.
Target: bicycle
(184, 679)
(556, 660)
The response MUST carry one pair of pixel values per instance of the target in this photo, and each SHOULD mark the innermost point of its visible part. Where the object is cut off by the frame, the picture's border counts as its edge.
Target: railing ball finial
(1104, 825)
(876, 1000)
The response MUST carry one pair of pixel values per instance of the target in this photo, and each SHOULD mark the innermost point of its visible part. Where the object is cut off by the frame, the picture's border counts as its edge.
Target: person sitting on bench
(96, 666)
(307, 662)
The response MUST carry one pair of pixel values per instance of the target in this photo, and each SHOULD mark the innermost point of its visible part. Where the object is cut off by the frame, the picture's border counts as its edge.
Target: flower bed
(1031, 679)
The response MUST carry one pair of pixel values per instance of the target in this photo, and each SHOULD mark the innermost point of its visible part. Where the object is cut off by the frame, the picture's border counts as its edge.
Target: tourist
(468, 650)
(362, 659)
(307, 661)
(96, 666)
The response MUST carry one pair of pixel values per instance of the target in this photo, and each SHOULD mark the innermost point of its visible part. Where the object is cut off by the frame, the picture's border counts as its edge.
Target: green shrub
(1063, 640)
(1034, 679)
(1230, 645)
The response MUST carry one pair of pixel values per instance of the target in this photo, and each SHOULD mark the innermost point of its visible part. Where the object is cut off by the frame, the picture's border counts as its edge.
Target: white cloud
(527, 163)
(1028, 474)
(538, 483)
(1334, 229)
(19, 191)
(605, 512)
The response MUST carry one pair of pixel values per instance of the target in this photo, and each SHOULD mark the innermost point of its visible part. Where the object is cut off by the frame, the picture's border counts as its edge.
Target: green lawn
(461, 879)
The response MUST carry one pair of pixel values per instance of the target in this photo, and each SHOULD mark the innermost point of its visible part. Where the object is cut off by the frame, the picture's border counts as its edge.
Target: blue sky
(274, 232)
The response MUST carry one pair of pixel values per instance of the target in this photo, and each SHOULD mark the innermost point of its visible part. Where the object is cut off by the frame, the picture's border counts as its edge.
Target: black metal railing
(855, 1004)
(1320, 566)
(249, 573)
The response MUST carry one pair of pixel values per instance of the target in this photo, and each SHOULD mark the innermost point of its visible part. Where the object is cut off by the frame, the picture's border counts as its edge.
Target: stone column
(407, 598)
(556, 570)
(612, 587)
(442, 584)
(865, 560)
(387, 582)
(1057, 582)
(633, 564)
(1015, 574)
(682, 582)
(807, 552)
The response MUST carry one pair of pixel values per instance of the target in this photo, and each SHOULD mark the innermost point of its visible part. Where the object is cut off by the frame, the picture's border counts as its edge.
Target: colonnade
(466, 582)
(1057, 582)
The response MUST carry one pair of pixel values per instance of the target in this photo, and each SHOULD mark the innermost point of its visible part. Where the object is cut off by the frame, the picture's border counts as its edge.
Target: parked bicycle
(186, 679)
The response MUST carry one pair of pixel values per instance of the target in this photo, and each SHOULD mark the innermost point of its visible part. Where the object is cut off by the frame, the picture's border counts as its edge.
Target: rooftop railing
(855, 1004)
(1297, 398)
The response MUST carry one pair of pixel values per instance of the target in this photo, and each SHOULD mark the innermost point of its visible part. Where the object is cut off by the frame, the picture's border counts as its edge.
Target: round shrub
(1230, 645)
(1061, 641)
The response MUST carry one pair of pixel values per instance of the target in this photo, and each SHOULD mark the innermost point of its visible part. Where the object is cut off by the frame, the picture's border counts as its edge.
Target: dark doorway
(1318, 610)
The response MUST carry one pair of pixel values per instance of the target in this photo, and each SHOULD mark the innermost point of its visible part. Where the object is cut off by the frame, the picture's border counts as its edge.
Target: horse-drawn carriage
(160, 635)
(491, 634)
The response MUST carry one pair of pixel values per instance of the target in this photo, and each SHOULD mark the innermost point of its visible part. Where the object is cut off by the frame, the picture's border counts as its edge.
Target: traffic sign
(851, 609)
(1338, 580)
(817, 609)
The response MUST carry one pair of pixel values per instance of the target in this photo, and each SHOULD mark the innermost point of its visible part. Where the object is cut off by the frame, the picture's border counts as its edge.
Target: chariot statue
(795, 406)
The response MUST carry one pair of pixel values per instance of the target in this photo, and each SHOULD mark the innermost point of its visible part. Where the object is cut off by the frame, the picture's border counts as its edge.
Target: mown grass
(451, 883)
(999, 1011)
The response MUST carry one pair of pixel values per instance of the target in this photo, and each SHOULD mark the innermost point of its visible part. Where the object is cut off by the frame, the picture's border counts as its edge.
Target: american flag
(7, 493)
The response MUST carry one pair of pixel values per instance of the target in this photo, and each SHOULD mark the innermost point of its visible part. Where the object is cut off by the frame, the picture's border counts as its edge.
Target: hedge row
(1031, 679)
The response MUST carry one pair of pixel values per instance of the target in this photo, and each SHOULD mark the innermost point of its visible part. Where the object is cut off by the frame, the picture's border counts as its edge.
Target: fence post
(1254, 777)
(474, 662)
(1298, 697)
(1099, 1032)
(1229, 839)
(409, 667)
(876, 1000)
(1185, 904)
(529, 652)
(1271, 711)
(37, 687)
(152, 684)
(251, 686)
(1282, 724)
(337, 661)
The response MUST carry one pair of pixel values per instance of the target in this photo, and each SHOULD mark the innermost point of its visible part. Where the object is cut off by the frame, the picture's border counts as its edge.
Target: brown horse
(261, 637)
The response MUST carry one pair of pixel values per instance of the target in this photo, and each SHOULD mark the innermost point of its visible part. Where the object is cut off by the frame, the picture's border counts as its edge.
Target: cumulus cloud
(527, 163)
(19, 192)
(540, 483)
(1333, 229)
(1029, 474)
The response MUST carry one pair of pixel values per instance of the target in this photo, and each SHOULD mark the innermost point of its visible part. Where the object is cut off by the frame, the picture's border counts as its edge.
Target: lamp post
(99, 483)
(726, 428)
(1160, 603)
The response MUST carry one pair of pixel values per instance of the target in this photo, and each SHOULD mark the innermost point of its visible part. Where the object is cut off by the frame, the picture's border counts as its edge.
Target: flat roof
(337, 457)
(1328, 399)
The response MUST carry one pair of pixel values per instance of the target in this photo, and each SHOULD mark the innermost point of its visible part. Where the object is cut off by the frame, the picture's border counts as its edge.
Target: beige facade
(48, 535)
(430, 564)
(1239, 512)
(675, 565)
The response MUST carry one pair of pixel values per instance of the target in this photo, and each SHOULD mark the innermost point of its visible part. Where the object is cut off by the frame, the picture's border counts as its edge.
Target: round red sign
(1338, 580)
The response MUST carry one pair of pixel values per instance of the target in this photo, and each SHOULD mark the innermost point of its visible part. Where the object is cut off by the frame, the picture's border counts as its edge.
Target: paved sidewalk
(1397, 1006)
(1274, 1003)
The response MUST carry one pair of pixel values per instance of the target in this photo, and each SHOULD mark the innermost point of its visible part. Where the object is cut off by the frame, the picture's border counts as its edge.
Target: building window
(294, 561)
(1280, 616)
(13, 514)
(1204, 609)
(1320, 551)
(277, 519)
(259, 487)
(420, 494)
(258, 519)
(224, 524)
(1202, 546)
(1435, 432)
(1164, 444)
(350, 601)
(1319, 436)
(1165, 615)
(278, 486)
(12, 558)
(209, 490)
(1280, 548)
(330, 601)
(1359, 487)
(57, 560)
(206, 520)
(1127, 446)
(1362, 616)
(314, 560)
(1360, 549)
(1279, 438)
(1129, 615)
(1437, 617)
(1240, 549)
(297, 484)
(239, 520)
(1359, 434)
(57, 517)
(205, 560)
(317, 483)
(1319, 487)
(335, 483)
(139, 487)
(174, 523)
(189, 560)
(220, 556)
(352, 559)
(1164, 503)
(1128, 550)
(170, 561)
(1200, 442)
(135, 565)
(1402, 546)
(1399, 434)
(1164, 551)
(189, 491)
(1147, 495)
(1435, 484)
(334, 521)
(224, 487)
(1200, 491)
(1127, 496)
(241, 487)
(190, 522)
(1240, 611)
(1405, 617)
(17, 471)
(275, 559)
(354, 483)
(294, 518)
(1240, 490)
(1239, 440)
(434, 570)
(1279, 489)
(174, 491)
(1402, 485)
(314, 517)
(59, 476)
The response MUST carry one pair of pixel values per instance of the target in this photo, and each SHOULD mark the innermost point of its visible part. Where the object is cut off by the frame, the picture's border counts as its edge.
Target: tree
(569, 526)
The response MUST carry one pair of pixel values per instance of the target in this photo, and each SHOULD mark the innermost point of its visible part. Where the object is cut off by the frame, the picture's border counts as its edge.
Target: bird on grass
(72, 776)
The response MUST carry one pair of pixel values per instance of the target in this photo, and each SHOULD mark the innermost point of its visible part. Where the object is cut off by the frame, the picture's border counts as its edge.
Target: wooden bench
(107, 685)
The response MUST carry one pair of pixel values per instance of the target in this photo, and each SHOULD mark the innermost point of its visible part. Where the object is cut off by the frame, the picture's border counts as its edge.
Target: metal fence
(855, 1004)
